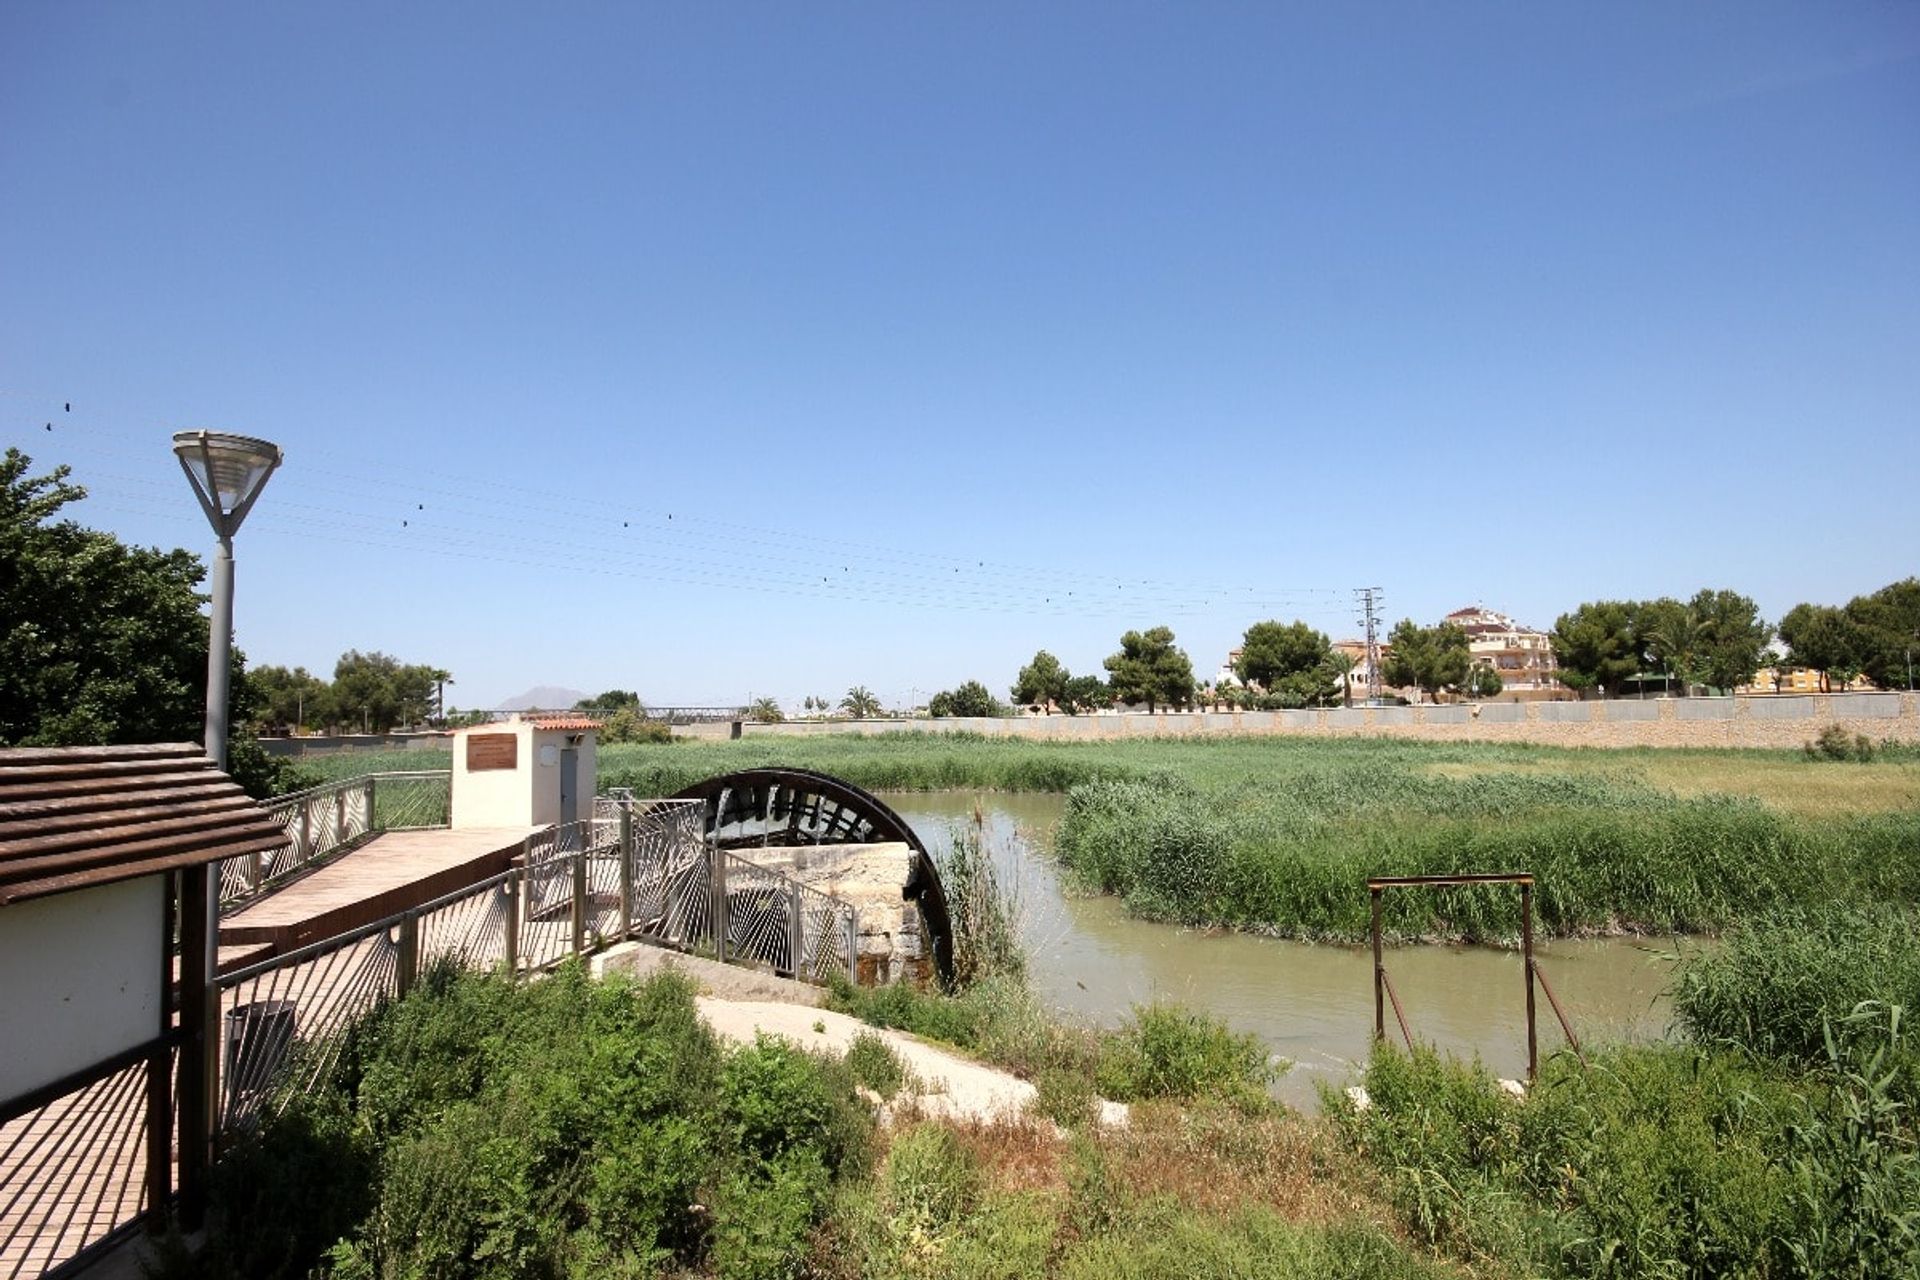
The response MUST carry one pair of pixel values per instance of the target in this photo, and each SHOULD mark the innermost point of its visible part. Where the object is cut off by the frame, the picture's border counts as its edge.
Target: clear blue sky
(715, 350)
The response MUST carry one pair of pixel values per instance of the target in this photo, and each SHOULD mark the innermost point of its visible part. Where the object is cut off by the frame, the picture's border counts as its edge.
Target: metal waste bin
(259, 1036)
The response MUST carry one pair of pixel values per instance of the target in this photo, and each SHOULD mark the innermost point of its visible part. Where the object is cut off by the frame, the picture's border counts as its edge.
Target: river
(1310, 1003)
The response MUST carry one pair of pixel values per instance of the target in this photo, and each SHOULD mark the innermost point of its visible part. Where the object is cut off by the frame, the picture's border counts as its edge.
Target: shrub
(1166, 1051)
(874, 1064)
(931, 1181)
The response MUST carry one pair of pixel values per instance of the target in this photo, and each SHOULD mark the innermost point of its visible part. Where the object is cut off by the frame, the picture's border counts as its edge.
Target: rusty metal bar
(1398, 1013)
(1559, 1013)
(1383, 985)
(1526, 948)
(1487, 877)
(407, 964)
(1379, 971)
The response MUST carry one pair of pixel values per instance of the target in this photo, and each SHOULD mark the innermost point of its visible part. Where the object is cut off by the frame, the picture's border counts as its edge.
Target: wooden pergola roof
(72, 817)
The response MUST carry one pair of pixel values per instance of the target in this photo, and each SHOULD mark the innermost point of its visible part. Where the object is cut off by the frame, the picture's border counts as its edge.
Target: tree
(1595, 647)
(970, 699)
(860, 703)
(1041, 681)
(1730, 638)
(104, 644)
(605, 704)
(1084, 693)
(377, 692)
(766, 711)
(1825, 640)
(1150, 669)
(1292, 661)
(99, 642)
(1484, 682)
(294, 698)
(1667, 640)
(1429, 658)
(441, 679)
(1889, 622)
(1341, 663)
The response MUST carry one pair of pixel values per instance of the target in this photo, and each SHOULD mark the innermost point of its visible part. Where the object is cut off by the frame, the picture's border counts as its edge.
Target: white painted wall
(493, 797)
(529, 793)
(80, 979)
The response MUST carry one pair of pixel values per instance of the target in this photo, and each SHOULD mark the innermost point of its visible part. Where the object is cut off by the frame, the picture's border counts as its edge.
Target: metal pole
(200, 929)
(513, 921)
(199, 1047)
(1379, 976)
(407, 965)
(579, 901)
(796, 928)
(1526, 945)
(718, 912)
(626, 869)
(220, 653)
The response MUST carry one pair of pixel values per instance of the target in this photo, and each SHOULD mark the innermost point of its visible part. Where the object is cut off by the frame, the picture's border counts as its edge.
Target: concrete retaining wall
(1785, 720)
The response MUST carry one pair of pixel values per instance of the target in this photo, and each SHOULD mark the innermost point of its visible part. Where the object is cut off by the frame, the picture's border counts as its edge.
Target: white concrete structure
(82, 979)
(526, 772)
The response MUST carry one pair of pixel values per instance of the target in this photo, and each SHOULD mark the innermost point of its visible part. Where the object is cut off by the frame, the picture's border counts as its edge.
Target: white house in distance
(1522, 655)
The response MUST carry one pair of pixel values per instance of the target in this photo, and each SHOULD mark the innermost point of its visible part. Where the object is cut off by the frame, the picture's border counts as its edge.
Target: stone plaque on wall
(492, 751)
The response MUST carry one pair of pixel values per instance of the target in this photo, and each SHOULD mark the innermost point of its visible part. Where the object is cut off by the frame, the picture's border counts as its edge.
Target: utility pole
(1370, 598)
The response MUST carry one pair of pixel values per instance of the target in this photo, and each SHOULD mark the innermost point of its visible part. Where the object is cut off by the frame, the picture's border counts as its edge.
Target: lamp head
(227, 473)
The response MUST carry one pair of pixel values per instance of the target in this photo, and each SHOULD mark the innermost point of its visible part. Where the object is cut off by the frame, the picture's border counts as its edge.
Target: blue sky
(721, 350)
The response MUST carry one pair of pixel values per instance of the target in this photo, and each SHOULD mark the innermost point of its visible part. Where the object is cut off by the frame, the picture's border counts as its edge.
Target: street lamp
(227, 473)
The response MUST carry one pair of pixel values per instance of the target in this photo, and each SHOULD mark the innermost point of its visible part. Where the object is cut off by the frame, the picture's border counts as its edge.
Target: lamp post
(227, 473)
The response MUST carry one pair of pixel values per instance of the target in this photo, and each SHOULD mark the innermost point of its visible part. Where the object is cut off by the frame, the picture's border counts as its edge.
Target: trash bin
(259, 1035)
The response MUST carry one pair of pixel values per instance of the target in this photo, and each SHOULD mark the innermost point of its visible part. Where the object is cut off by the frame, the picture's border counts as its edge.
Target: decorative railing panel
(323, 822)
(74, 1169)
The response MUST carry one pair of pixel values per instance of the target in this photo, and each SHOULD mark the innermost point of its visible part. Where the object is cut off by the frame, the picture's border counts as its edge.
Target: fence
(80, 1163)
(330, 820)
(636, 869)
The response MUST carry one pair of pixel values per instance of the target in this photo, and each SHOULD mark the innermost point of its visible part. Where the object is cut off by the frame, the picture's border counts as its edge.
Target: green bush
(1166, 1051)
(551, 1129)
(874, 1064)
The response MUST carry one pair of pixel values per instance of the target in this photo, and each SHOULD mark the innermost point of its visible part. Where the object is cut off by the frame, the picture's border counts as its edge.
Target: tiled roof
(575, 723)
(71, 817)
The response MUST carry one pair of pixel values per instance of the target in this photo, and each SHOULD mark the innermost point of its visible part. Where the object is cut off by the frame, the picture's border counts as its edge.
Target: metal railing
(636, 869)
(81, 1159)
(326, 821)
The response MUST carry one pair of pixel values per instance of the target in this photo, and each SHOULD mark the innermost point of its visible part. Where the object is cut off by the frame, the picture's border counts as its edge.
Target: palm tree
(766, 711)
(441, 679)
(860, 703)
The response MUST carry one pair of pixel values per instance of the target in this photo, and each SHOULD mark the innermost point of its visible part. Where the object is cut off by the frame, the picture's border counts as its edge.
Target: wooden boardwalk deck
(388, 874)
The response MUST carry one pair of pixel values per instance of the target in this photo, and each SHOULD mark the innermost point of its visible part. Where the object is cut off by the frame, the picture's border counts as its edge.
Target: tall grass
(1608, 855)
(1794, 983)
(1657, 1162)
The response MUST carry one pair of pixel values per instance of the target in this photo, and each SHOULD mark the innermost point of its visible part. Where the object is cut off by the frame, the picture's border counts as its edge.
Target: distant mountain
(546, 697)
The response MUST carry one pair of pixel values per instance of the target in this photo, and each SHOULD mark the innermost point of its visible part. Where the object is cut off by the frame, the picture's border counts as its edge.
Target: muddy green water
(1312, 1004)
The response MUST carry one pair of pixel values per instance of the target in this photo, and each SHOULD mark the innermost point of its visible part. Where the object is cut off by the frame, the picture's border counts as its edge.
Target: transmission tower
(1370, 598)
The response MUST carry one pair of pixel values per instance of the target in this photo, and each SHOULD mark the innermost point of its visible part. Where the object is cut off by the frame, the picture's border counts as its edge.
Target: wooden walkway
(388, 874)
